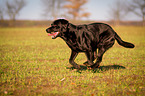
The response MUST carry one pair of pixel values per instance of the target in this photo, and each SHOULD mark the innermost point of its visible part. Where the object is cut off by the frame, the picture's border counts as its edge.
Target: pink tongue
(52, 34)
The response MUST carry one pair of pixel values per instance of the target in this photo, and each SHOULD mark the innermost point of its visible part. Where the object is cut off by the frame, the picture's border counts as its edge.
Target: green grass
(31, 63)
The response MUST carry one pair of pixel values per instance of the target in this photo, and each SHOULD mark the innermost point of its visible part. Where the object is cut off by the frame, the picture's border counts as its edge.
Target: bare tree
(75, 8)
(1, 14)
(2, 9)
(137, 7)
(117, 11)
(52, 8)
(13, 8)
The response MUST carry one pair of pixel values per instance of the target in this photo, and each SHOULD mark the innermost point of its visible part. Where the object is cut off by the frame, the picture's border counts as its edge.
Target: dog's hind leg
(101, 50)
(90, 58)
(72, 58)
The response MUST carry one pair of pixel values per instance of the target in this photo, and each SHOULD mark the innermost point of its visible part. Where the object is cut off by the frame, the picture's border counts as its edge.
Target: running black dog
(86, 38)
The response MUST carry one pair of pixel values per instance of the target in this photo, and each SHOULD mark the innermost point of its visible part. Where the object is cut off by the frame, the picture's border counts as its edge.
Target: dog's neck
(69, 34)
(72, 26)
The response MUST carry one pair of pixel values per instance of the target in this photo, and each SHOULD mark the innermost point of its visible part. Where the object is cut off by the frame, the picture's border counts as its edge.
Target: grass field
(31, 64)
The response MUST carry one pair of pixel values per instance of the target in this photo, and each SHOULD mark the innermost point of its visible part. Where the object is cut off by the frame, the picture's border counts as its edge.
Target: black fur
(87, 38)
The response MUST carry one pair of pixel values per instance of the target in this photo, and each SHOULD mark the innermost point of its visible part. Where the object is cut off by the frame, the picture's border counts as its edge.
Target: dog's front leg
(72, 58)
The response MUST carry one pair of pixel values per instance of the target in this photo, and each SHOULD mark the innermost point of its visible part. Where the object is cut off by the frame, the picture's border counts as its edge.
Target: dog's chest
(79, 44)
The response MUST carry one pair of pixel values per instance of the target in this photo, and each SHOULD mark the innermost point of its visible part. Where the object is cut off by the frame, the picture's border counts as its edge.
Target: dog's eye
(57, 27)
(54, 25)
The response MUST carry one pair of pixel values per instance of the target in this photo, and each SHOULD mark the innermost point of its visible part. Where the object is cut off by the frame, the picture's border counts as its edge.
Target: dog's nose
(46, 30)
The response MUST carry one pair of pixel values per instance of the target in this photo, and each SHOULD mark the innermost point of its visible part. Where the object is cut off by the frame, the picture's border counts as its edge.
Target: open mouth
(53, 34)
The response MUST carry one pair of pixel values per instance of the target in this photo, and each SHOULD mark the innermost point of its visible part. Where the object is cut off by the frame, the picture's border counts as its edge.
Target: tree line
(121, 8)
(75, 9)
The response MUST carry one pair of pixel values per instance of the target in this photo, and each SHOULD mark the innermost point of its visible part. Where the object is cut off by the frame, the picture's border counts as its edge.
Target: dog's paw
(89, 68)
(77, 67)
(93, 67)
(86, 63)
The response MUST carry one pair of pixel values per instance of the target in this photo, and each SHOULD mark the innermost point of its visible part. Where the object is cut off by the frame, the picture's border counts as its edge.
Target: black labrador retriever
(86, 38)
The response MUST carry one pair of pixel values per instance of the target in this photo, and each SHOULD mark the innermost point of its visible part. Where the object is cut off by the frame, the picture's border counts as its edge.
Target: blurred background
(43, 12)
(32, 64)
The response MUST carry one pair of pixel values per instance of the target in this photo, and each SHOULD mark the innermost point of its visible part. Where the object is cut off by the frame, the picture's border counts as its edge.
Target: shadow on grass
(106, 68)
(98, 70)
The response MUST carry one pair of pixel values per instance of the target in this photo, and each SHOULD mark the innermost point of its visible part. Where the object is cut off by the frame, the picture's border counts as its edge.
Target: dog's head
(58, 27)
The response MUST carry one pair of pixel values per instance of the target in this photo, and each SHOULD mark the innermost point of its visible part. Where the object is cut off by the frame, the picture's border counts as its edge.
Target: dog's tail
(123, 43)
